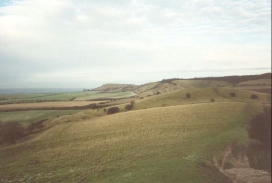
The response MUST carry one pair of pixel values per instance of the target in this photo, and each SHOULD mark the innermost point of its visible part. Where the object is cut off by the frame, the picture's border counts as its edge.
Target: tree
(128, 107)
(113, 110)
(132, 102)
(259, 148)
(254, 96)
(259, 127)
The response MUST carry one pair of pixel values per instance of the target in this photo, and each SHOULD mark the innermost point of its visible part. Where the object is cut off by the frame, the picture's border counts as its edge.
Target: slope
(170, 144)
(201, 95)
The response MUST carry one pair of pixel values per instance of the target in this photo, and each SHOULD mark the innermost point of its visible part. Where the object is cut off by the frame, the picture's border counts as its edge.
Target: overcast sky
(86, 43)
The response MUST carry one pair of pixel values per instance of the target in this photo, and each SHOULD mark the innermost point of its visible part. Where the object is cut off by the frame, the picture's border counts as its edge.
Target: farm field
(165, 144)
(40, 105)
(86, 95)
(46, 96)
(107, 95)
(26, 117)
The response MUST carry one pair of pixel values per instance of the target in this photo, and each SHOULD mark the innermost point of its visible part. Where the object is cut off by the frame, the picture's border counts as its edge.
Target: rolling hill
(166, 137)
(168, 144)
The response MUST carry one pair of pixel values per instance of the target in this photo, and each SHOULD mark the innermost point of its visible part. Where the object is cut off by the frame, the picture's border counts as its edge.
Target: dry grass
(256, 82)
(244, 95)
(152, 145)
(198, 95)
(166, 87)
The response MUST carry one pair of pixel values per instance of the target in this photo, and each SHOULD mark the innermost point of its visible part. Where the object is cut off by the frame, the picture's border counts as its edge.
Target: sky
(87, 43)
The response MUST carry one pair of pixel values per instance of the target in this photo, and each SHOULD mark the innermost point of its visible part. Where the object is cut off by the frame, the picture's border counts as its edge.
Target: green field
(86, 95)
(26, 117)
(107, 95)
(51, 96)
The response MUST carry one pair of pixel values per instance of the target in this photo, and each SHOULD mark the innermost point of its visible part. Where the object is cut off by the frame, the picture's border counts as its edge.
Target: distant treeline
(231, 79)
(237, 79)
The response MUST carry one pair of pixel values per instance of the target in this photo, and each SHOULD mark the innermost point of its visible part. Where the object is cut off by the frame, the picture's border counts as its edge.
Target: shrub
(227, 165)
(113, 110)
(132, 102)
(128, 107)
(212, 100)
(259, 148)
(233, 94)
(259, 127)
(254, 96)
(157, 93)
(10, 132)
(142, 98)
(105, 110)
(188, 95)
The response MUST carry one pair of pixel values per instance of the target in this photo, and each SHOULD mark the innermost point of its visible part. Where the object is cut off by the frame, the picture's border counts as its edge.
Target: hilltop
(111, 87)
(261, 83)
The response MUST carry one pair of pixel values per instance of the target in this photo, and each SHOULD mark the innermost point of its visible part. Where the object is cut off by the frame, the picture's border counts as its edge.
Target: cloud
(69, 41)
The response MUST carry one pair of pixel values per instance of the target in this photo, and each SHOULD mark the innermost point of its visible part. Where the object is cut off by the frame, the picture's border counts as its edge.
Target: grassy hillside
(115, 88)
(167, 86)
(255, 82)
(258, 85)
(170, 144)
(200, 95)
(244, 95)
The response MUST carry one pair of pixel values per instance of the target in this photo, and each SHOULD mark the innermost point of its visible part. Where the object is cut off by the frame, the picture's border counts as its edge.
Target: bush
(259, 127)
(188, 95)
(233, 94)
(259, 148)
(212, 100)
(128, 107)
(10, 132)
(227, 165)
(157, 93)
(254, 97)
(113, 110)
(132, 102)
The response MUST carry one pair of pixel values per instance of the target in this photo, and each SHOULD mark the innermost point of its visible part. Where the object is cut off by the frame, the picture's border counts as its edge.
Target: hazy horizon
(84, 44)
